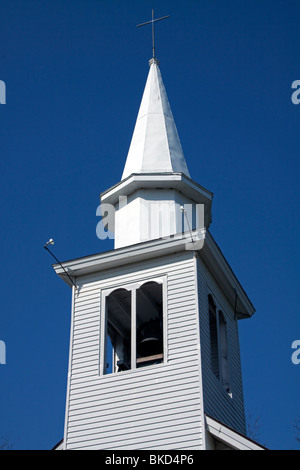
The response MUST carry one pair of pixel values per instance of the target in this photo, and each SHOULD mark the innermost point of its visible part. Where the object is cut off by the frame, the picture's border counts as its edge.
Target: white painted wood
(218, 403)
(149, 214)
(151, 407)
(155, 144)
(124, 259)
(230, 438)
(149, 401)
(149, 207)
(133, 329)
(63, 444)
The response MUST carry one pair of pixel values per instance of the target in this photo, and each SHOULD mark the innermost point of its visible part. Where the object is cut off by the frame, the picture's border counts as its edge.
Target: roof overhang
(221, 271)
(200, 242)
(159, 181)
(229, 436)
(121, 256)
(136, 181)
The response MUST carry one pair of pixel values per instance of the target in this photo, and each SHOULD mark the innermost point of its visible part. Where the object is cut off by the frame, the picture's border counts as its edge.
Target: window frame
(131, 286)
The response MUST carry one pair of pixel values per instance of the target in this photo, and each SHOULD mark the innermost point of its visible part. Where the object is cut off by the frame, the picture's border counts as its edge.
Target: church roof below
(155, 144)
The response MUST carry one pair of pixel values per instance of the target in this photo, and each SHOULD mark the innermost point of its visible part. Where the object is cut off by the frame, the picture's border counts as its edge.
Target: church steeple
(155, 146)
(156, 182)
(154, 347)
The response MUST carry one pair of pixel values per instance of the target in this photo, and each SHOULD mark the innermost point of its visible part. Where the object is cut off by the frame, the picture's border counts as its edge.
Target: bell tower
(154, 349)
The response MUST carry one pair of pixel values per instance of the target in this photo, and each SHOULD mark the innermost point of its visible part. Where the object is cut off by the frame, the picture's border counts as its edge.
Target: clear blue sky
(74, 73)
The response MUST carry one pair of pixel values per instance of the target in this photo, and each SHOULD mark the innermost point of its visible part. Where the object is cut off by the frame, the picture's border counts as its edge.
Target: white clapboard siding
(217, 402)
(155, 407)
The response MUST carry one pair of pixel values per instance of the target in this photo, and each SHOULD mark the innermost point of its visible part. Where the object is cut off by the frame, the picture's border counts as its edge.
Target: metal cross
(152, 22)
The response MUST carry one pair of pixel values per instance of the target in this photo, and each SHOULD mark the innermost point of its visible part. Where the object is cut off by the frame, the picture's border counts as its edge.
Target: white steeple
(156, 182)
(154, 345)
(155, 146)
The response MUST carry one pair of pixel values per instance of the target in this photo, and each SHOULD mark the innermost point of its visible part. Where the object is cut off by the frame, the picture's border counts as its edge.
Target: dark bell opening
(149, 338)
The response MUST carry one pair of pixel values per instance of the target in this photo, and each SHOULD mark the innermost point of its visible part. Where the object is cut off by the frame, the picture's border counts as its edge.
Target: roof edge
(230, 436)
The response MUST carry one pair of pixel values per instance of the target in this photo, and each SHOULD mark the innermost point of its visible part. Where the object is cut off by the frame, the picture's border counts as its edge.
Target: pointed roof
(155, 146)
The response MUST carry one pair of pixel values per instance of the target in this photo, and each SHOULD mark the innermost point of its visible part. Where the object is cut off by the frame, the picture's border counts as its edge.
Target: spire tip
(154, 60)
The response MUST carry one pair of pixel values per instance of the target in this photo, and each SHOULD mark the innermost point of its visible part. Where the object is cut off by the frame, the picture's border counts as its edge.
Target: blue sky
(74, 74)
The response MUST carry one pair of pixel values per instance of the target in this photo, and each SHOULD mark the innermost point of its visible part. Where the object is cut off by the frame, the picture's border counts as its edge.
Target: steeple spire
(156, 182)
(155, 146)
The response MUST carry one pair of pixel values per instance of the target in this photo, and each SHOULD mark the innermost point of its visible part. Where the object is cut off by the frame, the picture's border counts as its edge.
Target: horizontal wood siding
(155, 407)
(217, 402)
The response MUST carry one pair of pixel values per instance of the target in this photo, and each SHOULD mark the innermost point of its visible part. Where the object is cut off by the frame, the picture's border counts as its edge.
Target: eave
(228, 436)
(159, 180)
(222, 272)
(201, 243)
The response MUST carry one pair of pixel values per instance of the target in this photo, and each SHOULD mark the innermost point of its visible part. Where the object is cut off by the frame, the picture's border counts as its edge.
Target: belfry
(154, 347)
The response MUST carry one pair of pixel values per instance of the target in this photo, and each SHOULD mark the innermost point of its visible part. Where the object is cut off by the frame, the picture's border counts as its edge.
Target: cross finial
(152, 22)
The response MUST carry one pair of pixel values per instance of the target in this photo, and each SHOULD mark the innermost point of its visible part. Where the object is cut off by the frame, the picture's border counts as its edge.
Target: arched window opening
(149, 324)
(118, 331)
(132, 327)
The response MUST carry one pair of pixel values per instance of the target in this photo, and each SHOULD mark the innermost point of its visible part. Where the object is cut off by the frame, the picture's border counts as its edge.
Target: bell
(149, 339)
